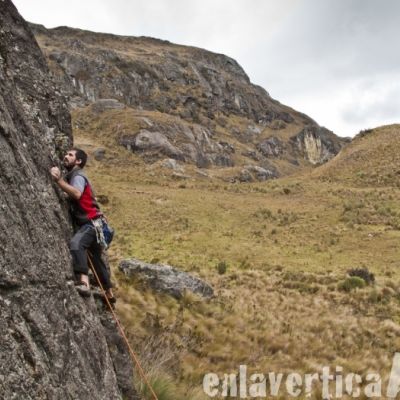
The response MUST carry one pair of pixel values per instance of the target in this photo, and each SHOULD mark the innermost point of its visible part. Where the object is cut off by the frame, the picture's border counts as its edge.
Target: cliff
(189, 104)
(53, 342)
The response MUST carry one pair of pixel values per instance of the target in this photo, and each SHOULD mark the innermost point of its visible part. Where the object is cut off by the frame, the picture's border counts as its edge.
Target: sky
(335, 60)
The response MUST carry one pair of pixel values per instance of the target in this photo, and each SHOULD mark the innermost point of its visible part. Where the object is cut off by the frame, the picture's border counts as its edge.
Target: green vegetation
(351, 283)
(222, 267)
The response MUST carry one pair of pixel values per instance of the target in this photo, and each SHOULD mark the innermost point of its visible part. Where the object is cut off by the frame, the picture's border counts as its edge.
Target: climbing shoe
(83, 289)
(112, 300)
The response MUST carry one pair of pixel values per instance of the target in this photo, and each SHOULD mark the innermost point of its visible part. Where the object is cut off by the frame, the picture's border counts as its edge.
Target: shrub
(162, 384)
(351, 283)
(265, 212)
(222, 267)
(362, 273)
(365, 132)
(382, 211)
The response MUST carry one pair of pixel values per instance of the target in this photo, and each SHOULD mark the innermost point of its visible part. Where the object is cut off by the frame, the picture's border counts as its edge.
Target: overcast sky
(338, 61)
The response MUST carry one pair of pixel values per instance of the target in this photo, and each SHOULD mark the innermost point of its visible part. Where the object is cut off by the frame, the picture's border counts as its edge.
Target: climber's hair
(80, 155)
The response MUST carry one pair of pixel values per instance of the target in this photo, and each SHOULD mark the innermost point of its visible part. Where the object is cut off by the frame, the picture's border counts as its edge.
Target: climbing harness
(121, 330)
(104, 232)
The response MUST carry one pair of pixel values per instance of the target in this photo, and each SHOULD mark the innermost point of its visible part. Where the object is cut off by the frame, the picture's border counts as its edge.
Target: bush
(162, 385)
(222, 267)
(365, 132)
(362, 273)
(351, 283)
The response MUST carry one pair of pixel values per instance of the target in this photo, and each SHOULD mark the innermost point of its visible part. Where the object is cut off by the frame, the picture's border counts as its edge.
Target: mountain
(55, 344)
(183, 103)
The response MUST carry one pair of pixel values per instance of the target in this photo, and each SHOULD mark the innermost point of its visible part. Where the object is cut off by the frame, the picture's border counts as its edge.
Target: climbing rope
(122, 331)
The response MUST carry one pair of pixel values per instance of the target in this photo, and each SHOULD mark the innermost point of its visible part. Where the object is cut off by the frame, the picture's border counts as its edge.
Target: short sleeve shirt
(79, 182)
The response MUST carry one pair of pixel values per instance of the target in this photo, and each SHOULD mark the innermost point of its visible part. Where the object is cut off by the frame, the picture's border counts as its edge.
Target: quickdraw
(98, 227)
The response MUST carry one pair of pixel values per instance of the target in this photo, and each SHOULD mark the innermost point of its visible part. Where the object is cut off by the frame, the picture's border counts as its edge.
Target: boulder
(254, 129)
(99, 154)
(262, 174)
(271, 147)
(170, 163)
(151, 141)
(177, 175)
(166, 279)
(245, 176)
(203, 174)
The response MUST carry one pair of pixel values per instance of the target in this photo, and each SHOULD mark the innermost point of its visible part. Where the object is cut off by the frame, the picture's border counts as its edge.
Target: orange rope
(122, 331)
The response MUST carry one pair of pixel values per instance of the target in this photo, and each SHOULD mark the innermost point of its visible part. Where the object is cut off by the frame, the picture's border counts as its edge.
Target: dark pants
(83, 241)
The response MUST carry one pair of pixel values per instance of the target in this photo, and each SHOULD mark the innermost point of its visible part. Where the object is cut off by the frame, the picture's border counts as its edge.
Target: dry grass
(278, 307)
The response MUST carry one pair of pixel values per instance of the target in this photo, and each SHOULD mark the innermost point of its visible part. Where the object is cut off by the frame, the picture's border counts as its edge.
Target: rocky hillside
(54, 344)
(188, 104)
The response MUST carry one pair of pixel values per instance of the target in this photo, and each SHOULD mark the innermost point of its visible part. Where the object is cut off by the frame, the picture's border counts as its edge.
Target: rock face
(315, 144)
(164, 278)
(53, 343)
(216, 116)
(117, 348)
(197, 145)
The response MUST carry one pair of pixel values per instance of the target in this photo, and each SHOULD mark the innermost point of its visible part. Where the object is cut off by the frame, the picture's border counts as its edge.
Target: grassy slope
(278, 308)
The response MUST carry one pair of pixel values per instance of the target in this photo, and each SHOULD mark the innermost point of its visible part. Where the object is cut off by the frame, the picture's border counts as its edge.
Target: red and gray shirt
(86, 207)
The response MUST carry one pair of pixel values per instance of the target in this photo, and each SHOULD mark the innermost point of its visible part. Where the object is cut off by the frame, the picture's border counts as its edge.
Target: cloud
(330, 57)
(373, 101)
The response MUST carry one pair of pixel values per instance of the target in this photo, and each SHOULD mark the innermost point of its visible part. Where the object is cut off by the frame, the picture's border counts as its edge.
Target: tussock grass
(277, 306)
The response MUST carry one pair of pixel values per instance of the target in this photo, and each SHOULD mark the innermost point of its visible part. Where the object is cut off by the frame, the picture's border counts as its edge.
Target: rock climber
(86, 215)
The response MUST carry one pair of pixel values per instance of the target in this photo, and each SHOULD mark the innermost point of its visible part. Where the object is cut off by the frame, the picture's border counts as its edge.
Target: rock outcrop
(196, 145)
(53, 345)
(164, 278)
(315, 144)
